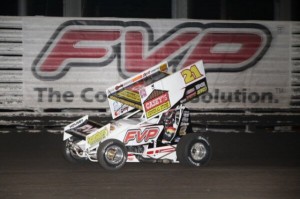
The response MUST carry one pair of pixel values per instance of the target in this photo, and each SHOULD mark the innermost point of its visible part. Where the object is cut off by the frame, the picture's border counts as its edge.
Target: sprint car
(155, 124)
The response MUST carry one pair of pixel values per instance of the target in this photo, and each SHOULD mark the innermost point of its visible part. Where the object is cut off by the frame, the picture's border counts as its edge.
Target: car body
(155, 126)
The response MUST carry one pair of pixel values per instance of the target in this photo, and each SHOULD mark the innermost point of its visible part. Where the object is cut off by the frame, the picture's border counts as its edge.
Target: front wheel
(193, 150)
(112, 154)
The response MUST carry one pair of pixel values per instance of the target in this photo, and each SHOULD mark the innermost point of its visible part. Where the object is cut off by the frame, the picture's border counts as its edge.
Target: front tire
(193, 150)
(112, 154)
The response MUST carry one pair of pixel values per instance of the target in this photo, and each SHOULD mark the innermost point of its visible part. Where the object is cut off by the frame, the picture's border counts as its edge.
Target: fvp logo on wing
(224, 47)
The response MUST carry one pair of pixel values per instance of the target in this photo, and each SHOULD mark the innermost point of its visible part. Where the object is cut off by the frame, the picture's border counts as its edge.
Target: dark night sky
(197, 9)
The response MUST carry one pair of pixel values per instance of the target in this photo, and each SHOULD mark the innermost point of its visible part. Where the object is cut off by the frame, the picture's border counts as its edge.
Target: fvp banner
(69, 62)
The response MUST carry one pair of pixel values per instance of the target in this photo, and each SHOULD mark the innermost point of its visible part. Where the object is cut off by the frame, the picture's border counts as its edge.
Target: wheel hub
(198, 151)
(114, 155)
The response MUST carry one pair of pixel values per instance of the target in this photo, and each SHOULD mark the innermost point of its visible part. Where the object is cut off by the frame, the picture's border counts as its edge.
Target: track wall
(59, 68)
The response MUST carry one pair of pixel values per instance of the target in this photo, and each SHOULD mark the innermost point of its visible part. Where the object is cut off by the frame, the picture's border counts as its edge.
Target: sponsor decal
(139, 136)
(194, 90)
(97, 137)
(201, 88)
(156, 102)
(162, 150)
(131, 95)
(224, 47)
(126, 102)
(86, 129)
(77, 123)
(119, 108)
(130, 157)
(143, 93)
(163, 68)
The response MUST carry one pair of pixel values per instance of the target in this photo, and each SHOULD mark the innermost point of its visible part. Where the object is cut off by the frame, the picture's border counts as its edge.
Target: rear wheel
(112, 154)
(193, 150)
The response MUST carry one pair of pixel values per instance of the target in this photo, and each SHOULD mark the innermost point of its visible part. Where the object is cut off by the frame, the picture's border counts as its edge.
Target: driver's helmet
(169, 118)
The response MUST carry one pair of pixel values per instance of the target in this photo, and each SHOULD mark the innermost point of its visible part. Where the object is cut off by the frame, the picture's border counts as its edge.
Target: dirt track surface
(243, 166)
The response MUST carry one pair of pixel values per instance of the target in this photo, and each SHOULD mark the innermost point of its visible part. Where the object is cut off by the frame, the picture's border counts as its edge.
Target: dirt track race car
(155, 126)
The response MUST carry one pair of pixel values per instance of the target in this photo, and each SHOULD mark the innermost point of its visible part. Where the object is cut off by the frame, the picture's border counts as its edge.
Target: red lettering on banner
(250, 43)
(137, 60)
(66, 48)
(139, 136)
(134, 46)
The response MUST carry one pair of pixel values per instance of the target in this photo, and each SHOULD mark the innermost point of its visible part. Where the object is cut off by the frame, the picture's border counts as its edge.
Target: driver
(169, 122)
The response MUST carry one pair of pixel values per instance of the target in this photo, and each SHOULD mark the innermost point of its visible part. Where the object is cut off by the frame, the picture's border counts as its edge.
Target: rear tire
(112, 154)
(193, 150)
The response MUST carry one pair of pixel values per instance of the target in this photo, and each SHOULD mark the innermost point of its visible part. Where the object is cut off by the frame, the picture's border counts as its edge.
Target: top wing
(124, 96)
